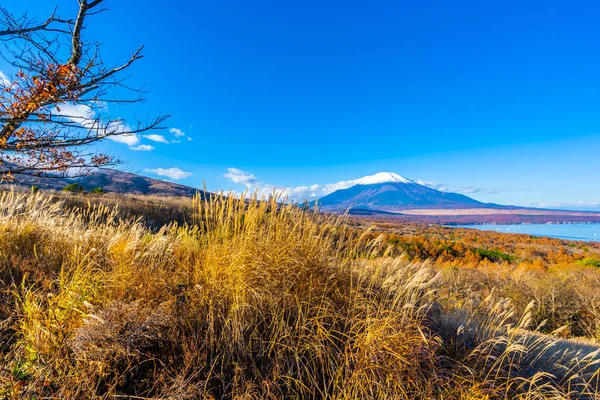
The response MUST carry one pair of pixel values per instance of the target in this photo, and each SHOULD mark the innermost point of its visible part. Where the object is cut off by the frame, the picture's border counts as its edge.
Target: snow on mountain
(387, 191)
(381, 177)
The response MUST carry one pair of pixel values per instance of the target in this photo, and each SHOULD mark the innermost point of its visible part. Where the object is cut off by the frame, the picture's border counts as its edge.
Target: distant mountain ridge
(390, 192)
(114, 181)
(383, 195)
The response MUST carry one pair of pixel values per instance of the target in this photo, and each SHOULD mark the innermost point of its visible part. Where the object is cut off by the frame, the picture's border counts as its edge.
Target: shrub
(494, 255)
(98, 190)
(592, 262)
(74, 188)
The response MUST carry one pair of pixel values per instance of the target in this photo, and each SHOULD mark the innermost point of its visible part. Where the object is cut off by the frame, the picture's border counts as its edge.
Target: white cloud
(578, 205)
(129, 140)
(156, 138)
(177, 132)
(75, 112)
(143, 147)
(299, 193)
(4, 81)
(119, 126)
(460, 189)
(238, 176)
(171, 173)
(85, 116)
(189, 138)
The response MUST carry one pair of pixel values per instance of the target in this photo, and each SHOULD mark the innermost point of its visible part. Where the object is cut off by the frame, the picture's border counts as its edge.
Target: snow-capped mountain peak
(387, 191)
(382, 177)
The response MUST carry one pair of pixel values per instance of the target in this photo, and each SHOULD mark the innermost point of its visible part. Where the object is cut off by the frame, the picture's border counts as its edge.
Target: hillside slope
(113, 181)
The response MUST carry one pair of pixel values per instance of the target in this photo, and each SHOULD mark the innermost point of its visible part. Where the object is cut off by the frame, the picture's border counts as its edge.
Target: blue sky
(498, 100)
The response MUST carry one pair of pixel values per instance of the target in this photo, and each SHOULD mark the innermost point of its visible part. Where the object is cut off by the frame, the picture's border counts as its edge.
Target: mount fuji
(390, 192)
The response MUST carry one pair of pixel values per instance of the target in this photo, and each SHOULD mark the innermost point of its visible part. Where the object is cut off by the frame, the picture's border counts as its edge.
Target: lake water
(586, 232)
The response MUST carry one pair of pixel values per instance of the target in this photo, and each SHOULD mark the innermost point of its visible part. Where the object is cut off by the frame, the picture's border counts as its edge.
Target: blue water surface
(585, 232)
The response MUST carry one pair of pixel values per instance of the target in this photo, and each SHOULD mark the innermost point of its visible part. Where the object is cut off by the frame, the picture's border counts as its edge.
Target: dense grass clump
(251, 299)
(494, 255)
(594, 262)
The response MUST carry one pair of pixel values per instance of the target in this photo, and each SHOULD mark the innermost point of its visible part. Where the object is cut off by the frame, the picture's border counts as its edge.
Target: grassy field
(132, 297)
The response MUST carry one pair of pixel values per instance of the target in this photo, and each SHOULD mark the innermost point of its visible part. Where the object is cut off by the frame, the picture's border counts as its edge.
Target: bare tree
(54, 108)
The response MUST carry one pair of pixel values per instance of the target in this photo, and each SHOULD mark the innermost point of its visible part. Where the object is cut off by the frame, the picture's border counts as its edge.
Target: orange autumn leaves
(35, 136)
(473, 248)
(27, 95)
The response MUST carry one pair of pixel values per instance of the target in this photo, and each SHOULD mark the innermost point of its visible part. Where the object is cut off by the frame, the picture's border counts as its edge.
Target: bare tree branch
(54, 109)
(14, 26)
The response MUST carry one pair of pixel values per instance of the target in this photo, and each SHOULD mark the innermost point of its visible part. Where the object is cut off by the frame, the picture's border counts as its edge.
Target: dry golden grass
(252, 300)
